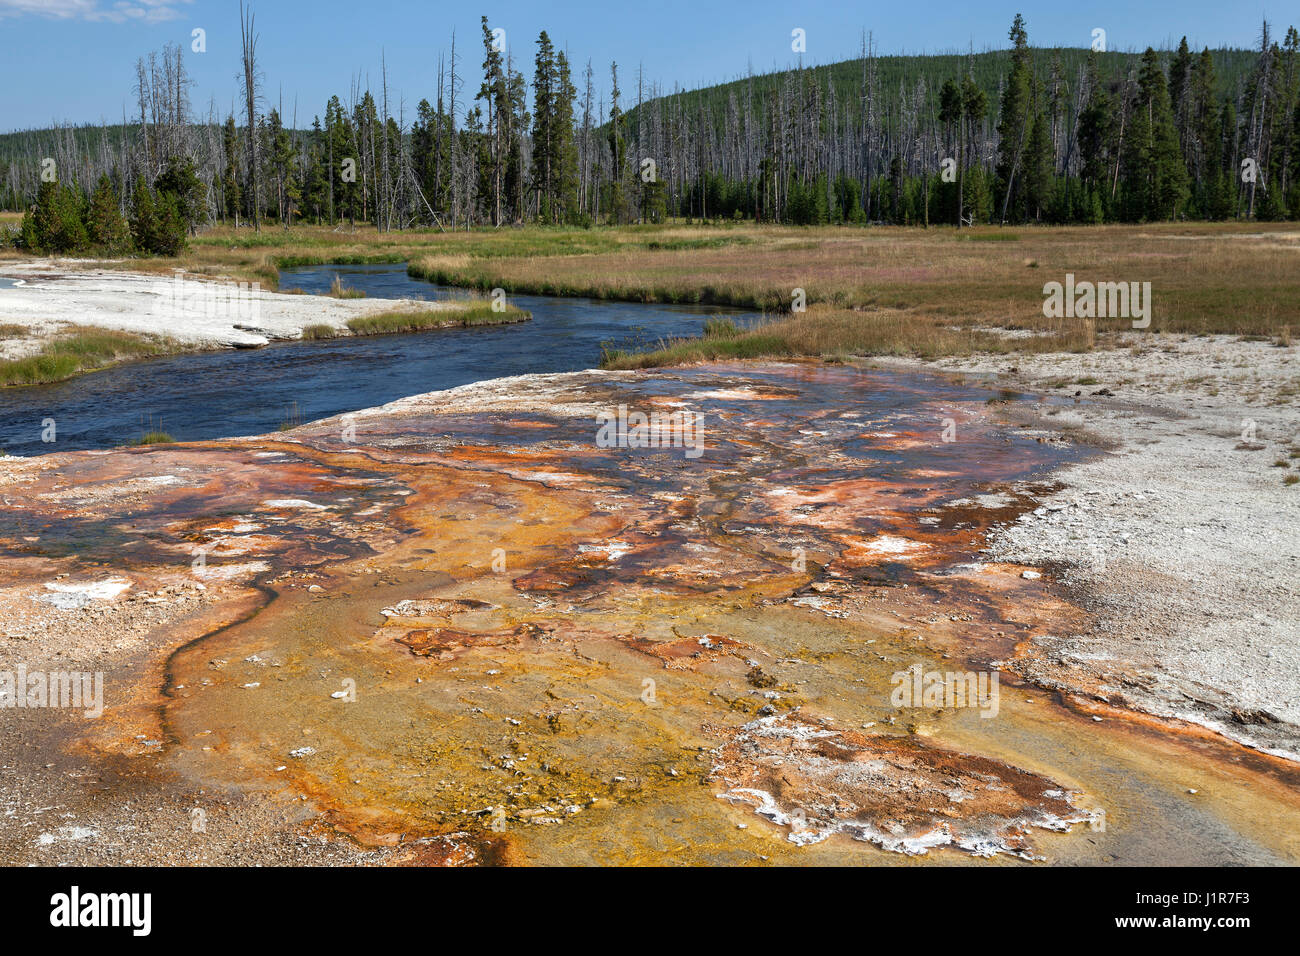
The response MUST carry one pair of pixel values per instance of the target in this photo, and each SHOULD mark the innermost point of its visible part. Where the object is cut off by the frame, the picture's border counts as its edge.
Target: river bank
(63, 318)
(251, 391)
(195, 311)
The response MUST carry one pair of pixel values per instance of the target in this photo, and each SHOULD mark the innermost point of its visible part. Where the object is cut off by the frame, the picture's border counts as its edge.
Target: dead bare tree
(250, 79)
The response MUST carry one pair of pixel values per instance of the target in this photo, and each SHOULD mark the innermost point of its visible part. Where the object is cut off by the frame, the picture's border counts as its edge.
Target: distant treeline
(1019, 135)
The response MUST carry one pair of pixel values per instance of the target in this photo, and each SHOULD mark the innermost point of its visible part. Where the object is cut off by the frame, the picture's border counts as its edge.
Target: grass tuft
(475, 313)
(80, 349)
(320, 331)
(339, 291)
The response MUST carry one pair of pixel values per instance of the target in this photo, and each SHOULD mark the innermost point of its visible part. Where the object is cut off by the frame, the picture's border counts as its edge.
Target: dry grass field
(889, 290)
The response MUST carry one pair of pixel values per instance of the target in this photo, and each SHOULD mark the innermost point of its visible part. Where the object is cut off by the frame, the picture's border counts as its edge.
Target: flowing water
(250, 392)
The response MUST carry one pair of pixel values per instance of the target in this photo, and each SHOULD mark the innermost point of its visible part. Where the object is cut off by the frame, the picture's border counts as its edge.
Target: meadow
(832, 291)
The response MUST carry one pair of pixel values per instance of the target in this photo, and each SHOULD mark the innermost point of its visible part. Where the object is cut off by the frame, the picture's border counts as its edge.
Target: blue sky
(74, 59)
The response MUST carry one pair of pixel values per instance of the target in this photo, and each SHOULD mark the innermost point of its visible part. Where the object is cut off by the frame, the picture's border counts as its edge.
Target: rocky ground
(1183, 540)
(1178, 542)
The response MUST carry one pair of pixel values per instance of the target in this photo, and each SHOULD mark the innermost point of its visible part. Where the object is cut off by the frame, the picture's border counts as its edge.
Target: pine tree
(544, 127)
(1038, 165)
(495, 94)
(144, 217)
(55, 224)
(315, 182)
(105, 224)
(182, 183)
(975, 104)
(1222, 201)
(1096, 128)
(1204, 151)
(1286, 144)
(230, 193)
(1015, 120)
(169, 239)
(617, 204)
(283, 161)
(1168, 173)
(517, 118)
(951, 110)
(564, 147)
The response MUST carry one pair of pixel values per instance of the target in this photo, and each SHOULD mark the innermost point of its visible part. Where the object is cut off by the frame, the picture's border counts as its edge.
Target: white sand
(53, 294)
(1183, 540)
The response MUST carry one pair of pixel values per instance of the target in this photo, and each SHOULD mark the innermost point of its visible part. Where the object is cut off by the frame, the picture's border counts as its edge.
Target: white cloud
(122, 11)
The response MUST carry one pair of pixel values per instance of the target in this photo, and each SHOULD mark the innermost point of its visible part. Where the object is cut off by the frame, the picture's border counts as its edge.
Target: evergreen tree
(1039, 160)
(189, 196)
(1096, 129)
(617, 204)
(495, 94)
(545, 165)
(105, 224)
(564, 147)
(55, 224)
(1156, 175)
(158, 224)
(516, 119)
(975, 103)
(144, 217)
(230, 192)
(1015, 120)
(315, 182)
(283, 166)
(951, 111)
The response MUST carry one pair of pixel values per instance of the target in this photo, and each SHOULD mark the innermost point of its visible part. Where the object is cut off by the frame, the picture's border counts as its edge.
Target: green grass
(720, 327)
(870, 291)
(81, 350)
(835, 334)
(687, 351)
(154, 438)
(476, 313)
(320, 331)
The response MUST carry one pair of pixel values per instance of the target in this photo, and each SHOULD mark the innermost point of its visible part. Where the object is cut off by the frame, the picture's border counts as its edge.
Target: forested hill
(1017, 135)
(988, 69)
(22, 144)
